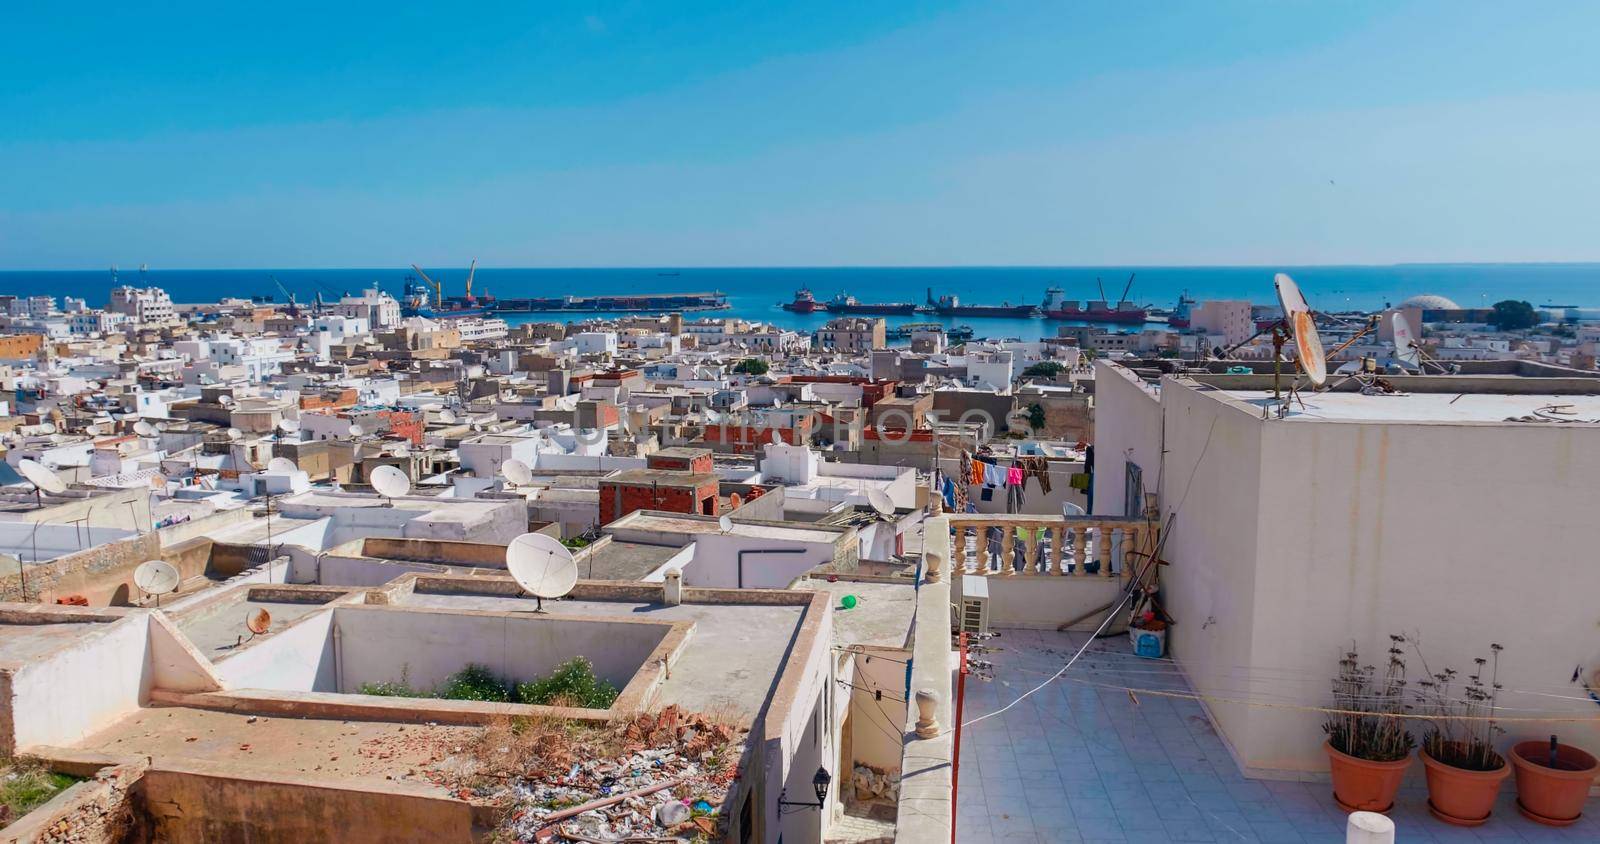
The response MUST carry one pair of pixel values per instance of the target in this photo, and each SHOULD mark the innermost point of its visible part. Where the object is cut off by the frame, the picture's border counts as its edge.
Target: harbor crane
(294, 309)
(438, 289)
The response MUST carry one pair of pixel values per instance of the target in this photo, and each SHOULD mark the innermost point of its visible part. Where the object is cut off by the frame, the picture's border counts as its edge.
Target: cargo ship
(1096, 310)
(804, 302)
(1183, 314)
(847, 304)
(951, 306)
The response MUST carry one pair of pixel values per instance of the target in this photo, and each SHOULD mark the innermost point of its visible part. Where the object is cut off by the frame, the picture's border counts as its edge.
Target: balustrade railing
(1020, 544)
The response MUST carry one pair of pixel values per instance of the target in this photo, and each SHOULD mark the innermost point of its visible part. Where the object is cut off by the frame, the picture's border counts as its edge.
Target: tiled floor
(1080, 763)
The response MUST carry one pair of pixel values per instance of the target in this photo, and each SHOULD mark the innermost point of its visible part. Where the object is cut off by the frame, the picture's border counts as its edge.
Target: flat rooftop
(655, 520)
(1429, 407)
(731, 662)
(623, 560)
(882, 614)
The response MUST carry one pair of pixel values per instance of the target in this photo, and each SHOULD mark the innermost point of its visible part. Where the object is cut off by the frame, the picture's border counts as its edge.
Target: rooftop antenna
(542, 567)
(156, 578)
(391, 483)
(516, 472)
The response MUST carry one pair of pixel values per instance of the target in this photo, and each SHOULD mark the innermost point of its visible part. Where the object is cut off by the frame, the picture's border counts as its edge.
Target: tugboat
(847, 304)
(804, 302)
(1098, 310)
(951, 306)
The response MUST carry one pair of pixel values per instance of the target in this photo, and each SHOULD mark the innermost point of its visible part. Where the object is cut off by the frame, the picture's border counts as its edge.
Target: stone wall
(65, 575)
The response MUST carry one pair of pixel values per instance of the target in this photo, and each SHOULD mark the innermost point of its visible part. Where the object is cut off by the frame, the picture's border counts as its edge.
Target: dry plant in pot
(1464, 772)
(1368, 745)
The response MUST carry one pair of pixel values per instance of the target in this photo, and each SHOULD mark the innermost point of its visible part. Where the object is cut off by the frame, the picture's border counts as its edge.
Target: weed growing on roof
(572, 684)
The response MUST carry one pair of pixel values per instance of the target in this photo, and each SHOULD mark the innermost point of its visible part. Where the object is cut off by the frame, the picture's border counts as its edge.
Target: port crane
(294, 309)
(438, 289)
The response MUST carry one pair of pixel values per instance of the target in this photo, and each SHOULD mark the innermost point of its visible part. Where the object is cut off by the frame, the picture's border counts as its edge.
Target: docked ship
(1056, 306)
(847, 304)
(635, 303)
(804, 302)
(1181, 315)
(906, 330)
(426, 298)
(951, 306)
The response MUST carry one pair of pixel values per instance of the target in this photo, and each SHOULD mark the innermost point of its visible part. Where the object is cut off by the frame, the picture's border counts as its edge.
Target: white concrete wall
(298, 658)
(1041, 602)
(63, 698)
(716, 561)
(378, 645)
(875, 725)
(1127, 426)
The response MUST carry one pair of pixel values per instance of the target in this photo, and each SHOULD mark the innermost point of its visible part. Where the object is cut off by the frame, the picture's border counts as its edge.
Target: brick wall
(618, 500)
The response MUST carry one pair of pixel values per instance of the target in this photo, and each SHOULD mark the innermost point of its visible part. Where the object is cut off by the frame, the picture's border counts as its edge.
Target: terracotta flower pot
(1552, 796)
(1362, 785)
(1459, 796)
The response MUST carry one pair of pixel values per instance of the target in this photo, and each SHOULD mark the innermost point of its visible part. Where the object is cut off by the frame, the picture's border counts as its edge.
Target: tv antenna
(156, 578)
(391, 483)
(542, 567)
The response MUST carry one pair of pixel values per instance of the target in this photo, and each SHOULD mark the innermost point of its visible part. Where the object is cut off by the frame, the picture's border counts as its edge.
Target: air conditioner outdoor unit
(974, 618)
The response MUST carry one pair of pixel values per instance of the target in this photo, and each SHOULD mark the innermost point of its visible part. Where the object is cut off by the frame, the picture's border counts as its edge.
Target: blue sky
(785, 134)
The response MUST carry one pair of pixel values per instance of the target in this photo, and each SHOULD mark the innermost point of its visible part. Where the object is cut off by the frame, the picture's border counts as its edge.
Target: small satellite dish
(880, 502)
(288, 426)
(225, 401)
(282, 464)
(161, 426)
(390, 482)
(776, 440)
(156, 577)
(158, 482)
(448, 417)
(542, 566)
(259, 622)
(517, 472)
(724, 524)
(144, 429)
(1070, 510)
(1405, 343)
(47, 428)
(43, 479)
(1308, 344)
(355, 431)
(234, 434)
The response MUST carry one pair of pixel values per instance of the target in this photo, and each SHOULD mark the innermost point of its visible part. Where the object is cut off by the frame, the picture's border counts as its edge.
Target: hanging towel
(949, 492)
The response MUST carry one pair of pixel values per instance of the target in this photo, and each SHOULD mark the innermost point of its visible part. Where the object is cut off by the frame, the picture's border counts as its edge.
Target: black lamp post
(820, 783)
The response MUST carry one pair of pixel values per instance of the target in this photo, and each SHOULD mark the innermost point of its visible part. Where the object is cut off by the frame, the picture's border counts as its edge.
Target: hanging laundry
(1014, 476)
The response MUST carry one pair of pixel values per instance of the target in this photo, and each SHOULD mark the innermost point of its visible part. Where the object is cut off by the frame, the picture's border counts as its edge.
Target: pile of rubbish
(874, 784)
(656, 777)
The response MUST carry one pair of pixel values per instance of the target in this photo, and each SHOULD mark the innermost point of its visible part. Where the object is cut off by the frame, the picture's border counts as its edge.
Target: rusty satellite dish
(1307, 343)
(259, 622)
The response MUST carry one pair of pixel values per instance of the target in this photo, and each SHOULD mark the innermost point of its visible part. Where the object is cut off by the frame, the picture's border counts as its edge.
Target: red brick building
(697, 460)
(658, 489)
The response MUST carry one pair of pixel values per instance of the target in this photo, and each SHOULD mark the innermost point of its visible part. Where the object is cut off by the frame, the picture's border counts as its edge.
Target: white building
(990, 369)
(148, 306)
(378, 308)
(1227, 317)
(474, 330)
(594, 342)
(260, 357)
(87, 323)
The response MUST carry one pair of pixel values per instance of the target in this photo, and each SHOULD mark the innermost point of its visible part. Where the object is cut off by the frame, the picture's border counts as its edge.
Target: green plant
(389, 690)
(1462, 730)
(1370, 707)
(575, 542)
(1043, 369)
(573, 683)
(1513, 315)
(1035, 416)
(27, 785)
(475, 682)
(752, 366)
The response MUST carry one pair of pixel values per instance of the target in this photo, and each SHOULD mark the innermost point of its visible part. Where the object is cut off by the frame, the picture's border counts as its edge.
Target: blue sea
(757, 293)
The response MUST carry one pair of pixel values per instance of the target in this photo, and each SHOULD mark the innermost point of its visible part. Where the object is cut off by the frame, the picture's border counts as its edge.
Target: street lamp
(819, 782)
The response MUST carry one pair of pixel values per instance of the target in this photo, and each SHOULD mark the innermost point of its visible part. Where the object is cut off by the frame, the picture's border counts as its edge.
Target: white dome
(1430, 302)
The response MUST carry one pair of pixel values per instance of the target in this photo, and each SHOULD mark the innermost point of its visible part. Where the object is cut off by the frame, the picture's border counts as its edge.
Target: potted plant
(1464, 772)
(1553, 780)
(1368, 745)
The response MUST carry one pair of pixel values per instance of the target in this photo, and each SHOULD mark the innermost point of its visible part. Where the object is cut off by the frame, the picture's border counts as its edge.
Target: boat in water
(954, 332)
(1182, 314)
(847, 304)
(804, 302)
(951, 306)
(1057, 306)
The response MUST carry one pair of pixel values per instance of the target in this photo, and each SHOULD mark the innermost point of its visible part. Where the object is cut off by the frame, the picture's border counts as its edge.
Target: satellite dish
(47, 428)
(1308, 344)
(542, 566)
(1405, 343)
(234, 434)
(225, 401)
(880, 502)
(517, 472)
(43, 479)
(158, 482)
(1070, 510)
(390, 482)
(156, 577)
(776, 440)
(288, 426)
(281, 464)
(355, 431)
(724, 524)
(448, 417)
(259, 622)
(144, 429)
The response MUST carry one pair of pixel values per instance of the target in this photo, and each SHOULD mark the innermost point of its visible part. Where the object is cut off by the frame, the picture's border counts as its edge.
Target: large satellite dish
(144, 429)
(542, 566)
(1297, 314)
(157, 578)
(390, 482)
(282, 464)
(1405, 343)
(355, 431)
(517, 472)
(43, 479)
(288, 426)
(47, 428)
(234, 434)
(880, 502)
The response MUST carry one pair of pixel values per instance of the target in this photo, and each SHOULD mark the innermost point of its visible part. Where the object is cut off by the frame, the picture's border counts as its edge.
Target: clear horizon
(957, 134)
